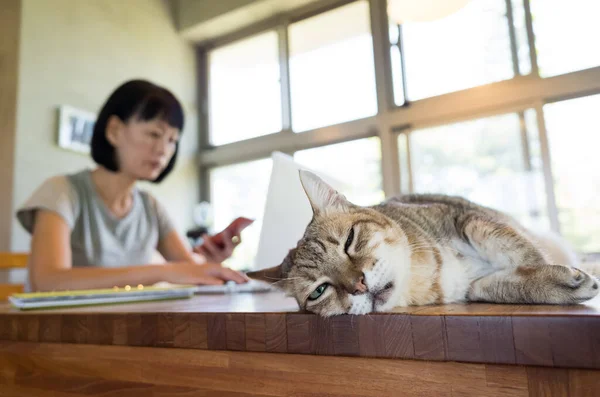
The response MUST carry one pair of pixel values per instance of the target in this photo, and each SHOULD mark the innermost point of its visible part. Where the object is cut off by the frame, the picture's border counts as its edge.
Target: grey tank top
(98, 238)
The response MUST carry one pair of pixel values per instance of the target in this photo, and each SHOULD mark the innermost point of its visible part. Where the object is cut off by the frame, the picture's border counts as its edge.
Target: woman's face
(144, 148)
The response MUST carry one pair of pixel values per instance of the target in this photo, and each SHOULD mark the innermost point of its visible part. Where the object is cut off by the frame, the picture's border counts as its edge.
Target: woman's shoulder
(151, 202)
(80, 178)
(147, 197)
(157, 210)
(66, 180)
(58, 193)
(74, 186)
(54, 186)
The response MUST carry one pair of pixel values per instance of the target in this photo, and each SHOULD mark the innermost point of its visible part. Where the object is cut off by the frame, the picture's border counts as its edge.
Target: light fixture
(402, 11)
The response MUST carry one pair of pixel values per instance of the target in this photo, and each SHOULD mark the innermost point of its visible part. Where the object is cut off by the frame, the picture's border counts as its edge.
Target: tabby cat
(418, 250)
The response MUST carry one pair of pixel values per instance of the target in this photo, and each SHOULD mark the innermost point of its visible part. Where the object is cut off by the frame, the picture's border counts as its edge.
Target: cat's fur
(419, 250)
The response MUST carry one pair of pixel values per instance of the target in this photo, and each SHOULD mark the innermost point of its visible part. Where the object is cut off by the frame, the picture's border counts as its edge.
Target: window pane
(241, 190)
(466, 49)
(332, 75)
(356, 163)
(484, 161)
(574, 141)
(566, 35)
(244, 81)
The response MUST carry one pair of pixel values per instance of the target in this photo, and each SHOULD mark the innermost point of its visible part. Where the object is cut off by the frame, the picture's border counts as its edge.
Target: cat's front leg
(550, 284)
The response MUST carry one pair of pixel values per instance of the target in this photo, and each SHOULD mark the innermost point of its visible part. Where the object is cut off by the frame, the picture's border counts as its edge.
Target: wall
(192, 12)
(76, 52)
(9, 67)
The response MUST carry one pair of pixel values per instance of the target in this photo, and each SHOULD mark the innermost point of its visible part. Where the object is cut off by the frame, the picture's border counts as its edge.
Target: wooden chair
(12, 260)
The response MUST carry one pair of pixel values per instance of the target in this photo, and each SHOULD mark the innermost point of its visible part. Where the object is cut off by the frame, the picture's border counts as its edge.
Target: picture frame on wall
(75, 129)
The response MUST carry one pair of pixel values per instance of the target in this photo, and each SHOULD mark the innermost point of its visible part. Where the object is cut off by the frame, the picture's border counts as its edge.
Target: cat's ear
(323, 198)
(270, 275)
(276, 275)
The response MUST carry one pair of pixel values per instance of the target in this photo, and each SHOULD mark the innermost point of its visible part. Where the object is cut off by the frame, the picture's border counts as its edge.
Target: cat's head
(351, 259)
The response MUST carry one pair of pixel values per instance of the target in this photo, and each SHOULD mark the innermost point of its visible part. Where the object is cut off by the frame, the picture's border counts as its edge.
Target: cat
(418, 249)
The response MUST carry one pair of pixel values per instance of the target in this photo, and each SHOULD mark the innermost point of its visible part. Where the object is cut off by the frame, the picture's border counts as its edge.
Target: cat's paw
(574, 284)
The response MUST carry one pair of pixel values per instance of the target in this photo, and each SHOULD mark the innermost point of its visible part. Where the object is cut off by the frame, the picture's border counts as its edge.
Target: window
(468, 48)
(496, 161)
(240, 190)
(332, 74)
(356, 163)
(244, 82)
(574, 140)
(491, 161)
(566, 35)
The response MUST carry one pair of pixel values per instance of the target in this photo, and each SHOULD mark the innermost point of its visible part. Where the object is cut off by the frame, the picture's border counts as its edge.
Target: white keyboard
(232, 288)
(35, 300)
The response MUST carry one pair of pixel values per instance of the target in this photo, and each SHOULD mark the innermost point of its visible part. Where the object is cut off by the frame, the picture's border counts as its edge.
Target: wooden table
(261, 345)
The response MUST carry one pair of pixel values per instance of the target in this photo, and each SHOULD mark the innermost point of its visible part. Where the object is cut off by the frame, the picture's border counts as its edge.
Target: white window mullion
(513, 37)
(531, 37)
(284, 76)
(385, 100)
(547, 168)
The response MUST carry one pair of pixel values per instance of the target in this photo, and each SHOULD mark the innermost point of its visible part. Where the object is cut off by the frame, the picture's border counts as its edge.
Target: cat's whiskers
(279, 280)
(284, 279)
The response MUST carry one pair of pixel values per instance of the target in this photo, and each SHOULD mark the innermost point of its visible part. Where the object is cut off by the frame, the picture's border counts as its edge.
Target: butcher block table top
(549, 336)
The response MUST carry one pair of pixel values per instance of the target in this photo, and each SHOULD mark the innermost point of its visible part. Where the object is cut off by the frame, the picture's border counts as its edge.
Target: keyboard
(37, 300)
(233, 288)
(159, 291)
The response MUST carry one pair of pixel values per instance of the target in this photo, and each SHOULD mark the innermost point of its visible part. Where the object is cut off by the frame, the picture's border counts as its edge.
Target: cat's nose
(360, 287)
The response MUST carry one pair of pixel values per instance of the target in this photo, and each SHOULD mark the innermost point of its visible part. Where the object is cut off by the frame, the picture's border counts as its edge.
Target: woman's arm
(173, 248)
(215, 248)
(219, 247)
(50, 266)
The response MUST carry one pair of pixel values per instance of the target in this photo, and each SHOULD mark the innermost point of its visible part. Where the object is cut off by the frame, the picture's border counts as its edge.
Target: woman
(96, 229)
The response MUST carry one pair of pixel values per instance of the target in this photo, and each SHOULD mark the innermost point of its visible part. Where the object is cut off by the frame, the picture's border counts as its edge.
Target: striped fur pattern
(420, 250)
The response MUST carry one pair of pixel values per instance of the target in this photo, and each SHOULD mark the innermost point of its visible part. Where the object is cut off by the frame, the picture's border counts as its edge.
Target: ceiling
(204, 20)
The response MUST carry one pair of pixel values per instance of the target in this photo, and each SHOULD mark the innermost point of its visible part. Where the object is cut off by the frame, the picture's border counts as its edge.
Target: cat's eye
(318, 292)
(349, 240)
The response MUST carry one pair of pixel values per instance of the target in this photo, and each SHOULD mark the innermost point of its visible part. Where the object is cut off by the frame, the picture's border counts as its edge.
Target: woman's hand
(192, 273)
(219, 247)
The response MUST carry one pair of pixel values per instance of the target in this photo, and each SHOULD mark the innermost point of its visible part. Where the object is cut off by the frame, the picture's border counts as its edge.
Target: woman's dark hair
(143, 101)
